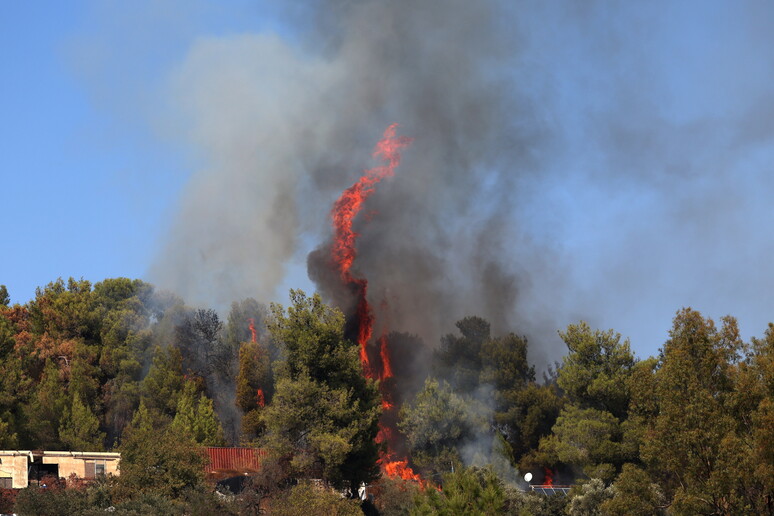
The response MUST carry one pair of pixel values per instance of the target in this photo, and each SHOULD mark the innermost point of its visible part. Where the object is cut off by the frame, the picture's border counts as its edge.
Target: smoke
(586, 160)
(283, 126)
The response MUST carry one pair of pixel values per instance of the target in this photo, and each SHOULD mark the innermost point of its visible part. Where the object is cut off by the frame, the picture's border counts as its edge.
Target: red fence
(239, 460)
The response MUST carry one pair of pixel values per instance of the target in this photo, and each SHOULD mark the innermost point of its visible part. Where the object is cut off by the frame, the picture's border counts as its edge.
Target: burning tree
(324, 415)
(254, 385)
(374, 353)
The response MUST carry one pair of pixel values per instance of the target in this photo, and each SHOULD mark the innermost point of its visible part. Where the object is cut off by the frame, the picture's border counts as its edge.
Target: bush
(50, 501)
(466, 491)
(587, 499)
(395, 496)
(533, 504)
(7, 500)
(307, 499)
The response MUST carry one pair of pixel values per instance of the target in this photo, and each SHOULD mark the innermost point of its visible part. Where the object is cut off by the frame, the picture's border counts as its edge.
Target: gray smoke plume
(285, 127)
(575, 160)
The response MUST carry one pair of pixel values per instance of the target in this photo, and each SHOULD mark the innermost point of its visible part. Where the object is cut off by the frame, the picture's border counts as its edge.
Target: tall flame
(384, 354)
(345, 209)
(252, 330)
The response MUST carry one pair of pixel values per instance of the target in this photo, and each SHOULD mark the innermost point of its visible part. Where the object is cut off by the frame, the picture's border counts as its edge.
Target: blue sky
(86, 181)
(63, 161)
(650, 187)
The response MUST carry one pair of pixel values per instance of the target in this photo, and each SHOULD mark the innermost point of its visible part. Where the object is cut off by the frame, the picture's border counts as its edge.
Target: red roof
(242, 460)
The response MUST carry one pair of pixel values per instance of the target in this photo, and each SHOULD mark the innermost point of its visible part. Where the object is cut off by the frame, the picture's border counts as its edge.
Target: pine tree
(324, 413)
(45, 410)
(162, 387)
(254, 386)
(79, 428)
(196, 417)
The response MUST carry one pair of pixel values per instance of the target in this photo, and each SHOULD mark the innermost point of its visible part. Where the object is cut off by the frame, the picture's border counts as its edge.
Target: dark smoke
(434, 245)
(570, 160)
(285, 124)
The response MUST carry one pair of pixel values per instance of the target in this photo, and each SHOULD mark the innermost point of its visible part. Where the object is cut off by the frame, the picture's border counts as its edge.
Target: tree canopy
(117, 365)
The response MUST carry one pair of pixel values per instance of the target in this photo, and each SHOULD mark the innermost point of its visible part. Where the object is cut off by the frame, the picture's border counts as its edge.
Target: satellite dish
(528, 477)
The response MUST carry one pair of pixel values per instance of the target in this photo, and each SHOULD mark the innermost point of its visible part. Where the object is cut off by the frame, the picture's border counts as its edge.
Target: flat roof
(55, 453)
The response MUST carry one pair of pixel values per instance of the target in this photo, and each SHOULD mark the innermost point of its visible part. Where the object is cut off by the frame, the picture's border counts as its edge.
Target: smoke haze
(605, 162)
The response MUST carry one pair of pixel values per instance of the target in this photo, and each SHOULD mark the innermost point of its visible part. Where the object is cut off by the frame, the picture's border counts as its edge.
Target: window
(95, 467)
(6, 482)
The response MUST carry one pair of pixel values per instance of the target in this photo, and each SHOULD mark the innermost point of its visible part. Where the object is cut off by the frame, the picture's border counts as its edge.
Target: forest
(120, 366)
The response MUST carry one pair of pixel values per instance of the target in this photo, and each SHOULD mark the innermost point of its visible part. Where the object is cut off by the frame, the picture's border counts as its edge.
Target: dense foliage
(119, 366)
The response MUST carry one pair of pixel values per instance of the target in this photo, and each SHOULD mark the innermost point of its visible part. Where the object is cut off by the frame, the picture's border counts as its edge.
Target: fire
(385, 356)
(549, 480)
(259, 397)
(252, 330)
(345, 209)
(400, 468)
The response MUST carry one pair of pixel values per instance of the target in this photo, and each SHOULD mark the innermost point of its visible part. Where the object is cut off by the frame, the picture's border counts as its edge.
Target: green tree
(45, 410)
(198, 336)
(196, 418)
(530, 503)
(8, 438)
(51, 501)
(468, 491)
(694, 441)
(238, 323)
(114, 293)
(5, 299)
(594, 373)
(16, 384)
(65, 312)
(459, 358)
(121, 395)
(7, 332)
(396, 496)
(754, 409)
(84, 375)
(587, 499)
(163, 385)
(590, 439)
(79, 428)
(527, 415)
(159, 461)
(324, 413)
(306, 498)
(591, 432)
(634, 494)
(435, 423)
(254, 386)
(524, 411)
(504, 363)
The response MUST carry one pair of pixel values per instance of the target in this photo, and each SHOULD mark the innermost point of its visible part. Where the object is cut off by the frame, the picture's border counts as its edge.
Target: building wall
(111, 467)
(67, 466)
(77, 463)
(16, 465)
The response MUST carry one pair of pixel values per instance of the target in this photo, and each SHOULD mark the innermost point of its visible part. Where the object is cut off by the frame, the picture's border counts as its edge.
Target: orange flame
(259, 397)
(385, 356)
(400, 468)
(345, 209)
(549, 480)
(252, 330)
